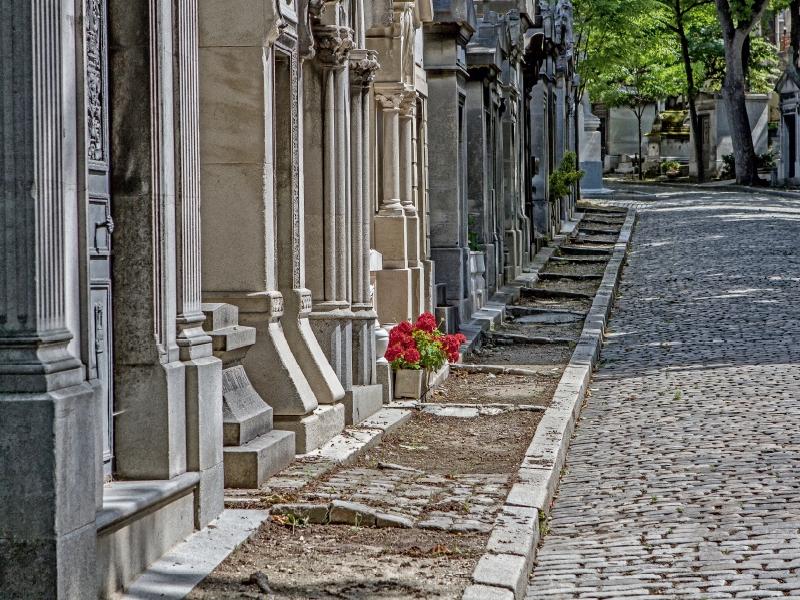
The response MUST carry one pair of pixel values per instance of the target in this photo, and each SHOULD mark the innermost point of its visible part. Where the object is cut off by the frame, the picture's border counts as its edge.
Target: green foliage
(670, 165)
(473, 241)
(563, 179)
(728, 166)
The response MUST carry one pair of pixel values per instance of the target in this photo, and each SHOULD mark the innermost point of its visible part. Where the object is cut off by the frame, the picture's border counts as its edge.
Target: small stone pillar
(391, 232)
(253, 450)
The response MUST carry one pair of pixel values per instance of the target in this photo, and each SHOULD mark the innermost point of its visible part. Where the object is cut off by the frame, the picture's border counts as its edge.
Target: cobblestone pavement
(682, 477)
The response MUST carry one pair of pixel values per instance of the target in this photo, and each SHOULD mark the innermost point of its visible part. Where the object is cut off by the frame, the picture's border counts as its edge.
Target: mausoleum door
(99, 225)
(705, 127)
(791, 137)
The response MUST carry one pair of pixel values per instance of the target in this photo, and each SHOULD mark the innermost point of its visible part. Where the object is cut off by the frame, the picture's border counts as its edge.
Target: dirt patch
(571, 331)
(341, 562)
(449, 445)
(483, 388)
(569, 285)
(581, 304)
(561, 268)
(526, 356)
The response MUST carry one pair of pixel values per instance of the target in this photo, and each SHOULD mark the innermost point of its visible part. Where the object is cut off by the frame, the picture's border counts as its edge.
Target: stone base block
(125, 550)
(313, 430)
(386, 381)
(250, 465)
(361, 402)
(209, 499)
(393, 295)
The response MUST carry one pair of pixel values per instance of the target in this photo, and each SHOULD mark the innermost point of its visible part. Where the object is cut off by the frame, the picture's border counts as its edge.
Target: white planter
(411, 383)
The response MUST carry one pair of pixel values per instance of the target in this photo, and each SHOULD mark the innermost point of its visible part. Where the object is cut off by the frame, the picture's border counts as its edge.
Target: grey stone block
(124, 552)
(485, 592)
(516, 531)
(388, 419)
(219, 315)
(387, 520)
(361, 402)
(250, 465)
(316, 429)
(503, 570)
(209, 497)
(203, 413)
(245, 415)
(386, 380)
(351, 513)
(315, 513)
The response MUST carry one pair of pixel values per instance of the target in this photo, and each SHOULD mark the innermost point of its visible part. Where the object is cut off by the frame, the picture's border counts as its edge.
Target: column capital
(363, 66)
(408, 107)
(334, 43)
(389, 99)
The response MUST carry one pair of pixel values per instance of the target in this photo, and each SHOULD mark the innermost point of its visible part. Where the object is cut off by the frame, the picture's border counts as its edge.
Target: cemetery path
(682, 479)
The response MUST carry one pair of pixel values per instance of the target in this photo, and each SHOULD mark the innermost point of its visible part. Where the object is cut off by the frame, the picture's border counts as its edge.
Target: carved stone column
(203, 371)
(393, 285)
(408, 124)
(47, 411)
(331, 318)
(366, 396)
(252, 208)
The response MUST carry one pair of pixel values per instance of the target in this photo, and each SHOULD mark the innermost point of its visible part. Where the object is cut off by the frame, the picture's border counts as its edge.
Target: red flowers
(422, 345)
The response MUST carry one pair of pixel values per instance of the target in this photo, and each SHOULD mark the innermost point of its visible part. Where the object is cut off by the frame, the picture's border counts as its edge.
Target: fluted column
(203, 371)
(47, 411)
(363, 65)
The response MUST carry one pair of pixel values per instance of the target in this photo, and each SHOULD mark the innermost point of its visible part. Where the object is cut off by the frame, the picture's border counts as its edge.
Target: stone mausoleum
(209, 208)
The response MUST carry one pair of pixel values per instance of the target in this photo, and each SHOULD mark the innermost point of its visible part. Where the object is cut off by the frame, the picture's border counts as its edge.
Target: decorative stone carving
(389, 100)
(334, 43)
(562, 27)
(95, 86)
(362, 70)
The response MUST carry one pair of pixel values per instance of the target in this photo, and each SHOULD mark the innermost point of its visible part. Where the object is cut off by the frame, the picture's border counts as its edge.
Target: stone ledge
(123, 500)
(505, 575)
(176, 573)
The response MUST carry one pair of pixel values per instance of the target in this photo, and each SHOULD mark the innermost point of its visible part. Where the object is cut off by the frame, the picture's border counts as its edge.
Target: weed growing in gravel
(544, 524)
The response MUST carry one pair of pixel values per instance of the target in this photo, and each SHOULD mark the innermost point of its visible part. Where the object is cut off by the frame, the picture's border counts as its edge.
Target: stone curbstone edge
(540, 470)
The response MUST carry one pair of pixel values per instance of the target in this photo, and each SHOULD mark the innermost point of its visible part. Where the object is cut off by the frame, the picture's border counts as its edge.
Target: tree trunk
(733, 93)
(639, 153)
(691, 93)
(794, 35)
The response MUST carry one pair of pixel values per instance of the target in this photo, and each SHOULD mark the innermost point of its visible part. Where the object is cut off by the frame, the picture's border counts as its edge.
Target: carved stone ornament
(389, 100)
(362, 70)
(562, 27)
(95, 86)
(333, 43)
(409, 104)
(275, 304)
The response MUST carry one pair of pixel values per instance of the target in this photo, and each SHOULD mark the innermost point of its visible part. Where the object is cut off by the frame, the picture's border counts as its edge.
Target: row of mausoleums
(209, 207)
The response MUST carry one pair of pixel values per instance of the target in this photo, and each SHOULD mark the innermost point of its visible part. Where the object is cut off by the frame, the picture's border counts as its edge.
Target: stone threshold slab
(176, 573)
(503, 571)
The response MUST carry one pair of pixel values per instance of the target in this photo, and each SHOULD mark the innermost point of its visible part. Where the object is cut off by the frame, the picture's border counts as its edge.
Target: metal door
(791, 137)
(99, 225)
(705, 128)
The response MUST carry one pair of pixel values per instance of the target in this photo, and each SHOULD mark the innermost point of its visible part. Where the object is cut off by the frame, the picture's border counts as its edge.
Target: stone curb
(503, 571)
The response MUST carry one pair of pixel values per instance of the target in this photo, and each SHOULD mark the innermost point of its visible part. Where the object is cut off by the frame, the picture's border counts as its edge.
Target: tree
(737, 19)
(680, 14)
(645, 74)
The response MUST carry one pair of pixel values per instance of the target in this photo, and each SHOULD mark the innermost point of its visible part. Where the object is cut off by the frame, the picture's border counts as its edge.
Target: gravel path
(682, 478)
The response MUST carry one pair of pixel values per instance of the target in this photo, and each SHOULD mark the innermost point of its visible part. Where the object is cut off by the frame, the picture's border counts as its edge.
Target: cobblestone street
(682, 476)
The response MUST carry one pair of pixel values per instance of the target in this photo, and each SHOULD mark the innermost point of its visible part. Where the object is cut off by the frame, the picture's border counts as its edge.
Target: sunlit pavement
(682, 478)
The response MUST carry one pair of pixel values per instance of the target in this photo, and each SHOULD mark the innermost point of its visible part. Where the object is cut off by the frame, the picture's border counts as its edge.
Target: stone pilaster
(47, 411)
(253, 253)
(393, 285)
(331, 318)
(203, 371)
(150, 379)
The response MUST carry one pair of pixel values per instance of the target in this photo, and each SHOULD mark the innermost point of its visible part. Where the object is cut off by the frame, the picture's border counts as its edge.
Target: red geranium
(426, 322)
(412, 356)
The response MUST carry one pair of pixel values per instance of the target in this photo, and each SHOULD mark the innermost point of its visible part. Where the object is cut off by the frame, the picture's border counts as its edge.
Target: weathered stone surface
(352, 513)
(515, 532)
(389, 520)
(250, 465)
(315, 513)
(485, 592)
(503, 570)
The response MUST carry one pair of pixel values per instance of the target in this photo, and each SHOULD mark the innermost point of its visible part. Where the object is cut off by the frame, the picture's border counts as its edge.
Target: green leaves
(562, 180)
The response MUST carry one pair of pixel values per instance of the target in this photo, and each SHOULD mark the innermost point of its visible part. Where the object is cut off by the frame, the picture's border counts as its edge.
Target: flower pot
(410, 383)
(414, 383)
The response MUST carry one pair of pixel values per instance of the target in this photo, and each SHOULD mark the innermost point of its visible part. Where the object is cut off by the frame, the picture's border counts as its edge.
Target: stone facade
(209, 208)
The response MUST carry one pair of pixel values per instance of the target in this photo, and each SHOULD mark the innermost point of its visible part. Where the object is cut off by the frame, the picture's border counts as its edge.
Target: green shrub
(670, 165)
(563, 180)
(728, 166)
